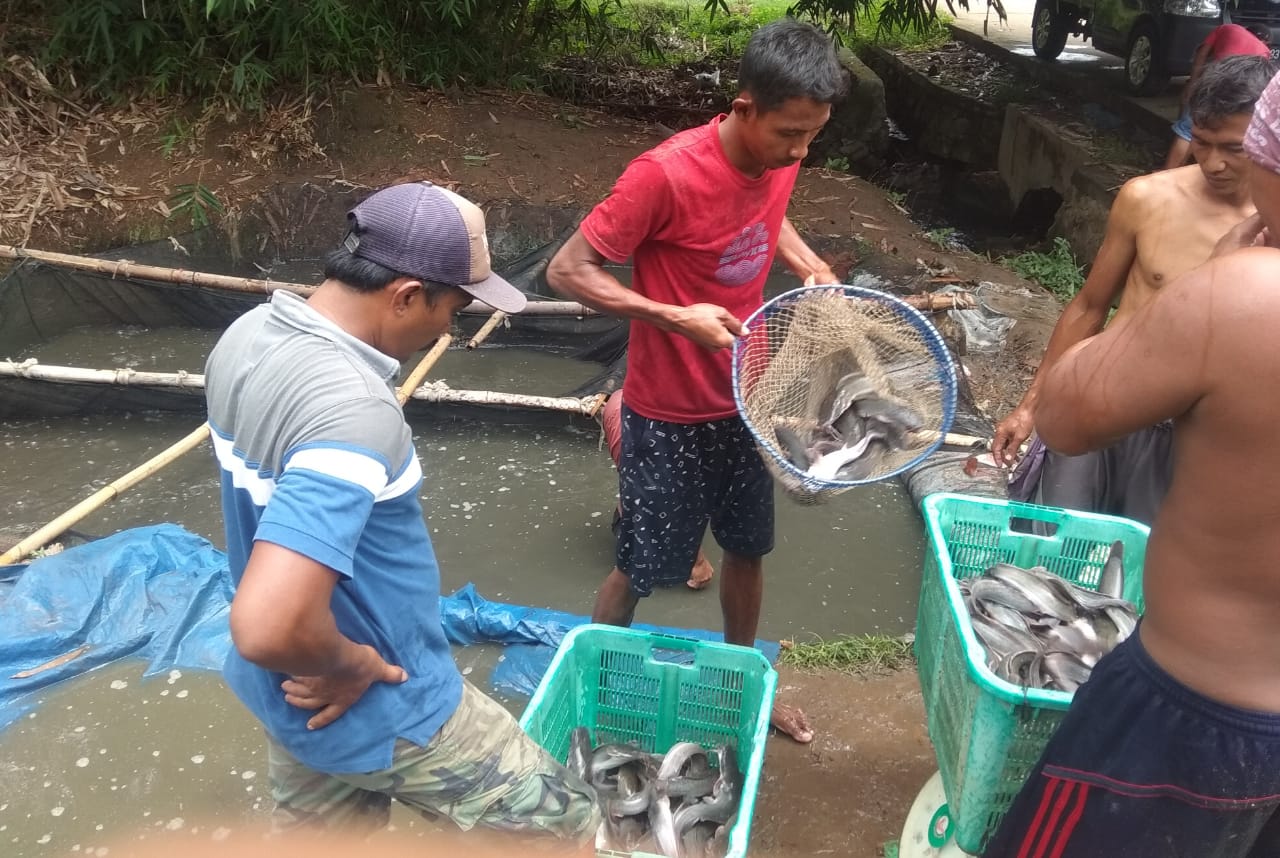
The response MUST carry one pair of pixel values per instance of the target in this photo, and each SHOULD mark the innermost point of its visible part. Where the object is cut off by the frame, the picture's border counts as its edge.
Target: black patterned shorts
(675, 477)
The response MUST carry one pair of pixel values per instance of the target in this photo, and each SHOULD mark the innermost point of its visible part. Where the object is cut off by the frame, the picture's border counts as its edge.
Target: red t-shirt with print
(699, 232)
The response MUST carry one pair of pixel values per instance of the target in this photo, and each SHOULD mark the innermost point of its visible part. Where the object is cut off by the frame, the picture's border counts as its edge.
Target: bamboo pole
(184, 277)
(951, 439)
(414, 379)
(932, 301)
(924, 301)
(483, 334)
(180, 276)
(166, 457)
(29, 369)
(586, 406)
(99, 498)
(34, 371)
(536, 308)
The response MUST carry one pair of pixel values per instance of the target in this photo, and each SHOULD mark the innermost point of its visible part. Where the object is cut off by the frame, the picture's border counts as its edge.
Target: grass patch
(1056, 270)
(943, 238)
(670, 32)
(868, 29)
(858, 654)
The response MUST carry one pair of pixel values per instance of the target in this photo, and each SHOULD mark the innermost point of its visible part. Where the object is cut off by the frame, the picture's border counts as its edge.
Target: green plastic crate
(615, 682)
(988, 733)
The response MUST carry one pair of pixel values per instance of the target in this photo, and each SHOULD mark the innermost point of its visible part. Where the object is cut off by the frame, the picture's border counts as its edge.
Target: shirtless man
(1161, 226)
(1173, 745)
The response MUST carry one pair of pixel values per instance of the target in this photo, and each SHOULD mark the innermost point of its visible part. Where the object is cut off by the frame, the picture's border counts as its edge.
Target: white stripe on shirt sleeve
(348, 465)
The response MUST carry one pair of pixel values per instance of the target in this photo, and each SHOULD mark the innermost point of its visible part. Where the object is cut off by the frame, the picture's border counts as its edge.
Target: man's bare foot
(791, 721)
(702, 572)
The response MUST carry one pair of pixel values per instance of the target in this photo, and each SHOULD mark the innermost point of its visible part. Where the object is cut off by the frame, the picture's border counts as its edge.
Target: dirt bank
(496, 147)
(848, 792)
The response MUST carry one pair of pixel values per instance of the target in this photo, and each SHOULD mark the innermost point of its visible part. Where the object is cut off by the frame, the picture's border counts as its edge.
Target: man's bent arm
(1086, 313)
(577, 271)
(1148, 367)
(281, 619)
(798, 256)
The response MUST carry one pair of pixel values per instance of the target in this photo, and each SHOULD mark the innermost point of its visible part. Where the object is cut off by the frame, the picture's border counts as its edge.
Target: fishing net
(800, 350)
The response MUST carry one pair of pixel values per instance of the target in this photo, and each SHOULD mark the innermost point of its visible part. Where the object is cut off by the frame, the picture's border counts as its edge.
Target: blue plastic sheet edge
(163, 594)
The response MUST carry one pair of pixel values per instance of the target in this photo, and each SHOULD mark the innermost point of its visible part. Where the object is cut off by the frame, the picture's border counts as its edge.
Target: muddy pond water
(522, 511)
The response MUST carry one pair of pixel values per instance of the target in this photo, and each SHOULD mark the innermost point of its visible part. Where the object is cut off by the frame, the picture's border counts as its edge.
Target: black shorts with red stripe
(1144, 767)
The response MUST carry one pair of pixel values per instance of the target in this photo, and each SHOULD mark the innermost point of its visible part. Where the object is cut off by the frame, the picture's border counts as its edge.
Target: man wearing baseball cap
(339, 651)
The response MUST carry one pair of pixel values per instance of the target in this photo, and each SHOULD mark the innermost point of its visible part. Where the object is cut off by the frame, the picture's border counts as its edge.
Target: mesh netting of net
(800, 352)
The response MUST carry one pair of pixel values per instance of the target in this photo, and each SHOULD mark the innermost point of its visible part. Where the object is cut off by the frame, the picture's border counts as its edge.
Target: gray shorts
(1129, 479)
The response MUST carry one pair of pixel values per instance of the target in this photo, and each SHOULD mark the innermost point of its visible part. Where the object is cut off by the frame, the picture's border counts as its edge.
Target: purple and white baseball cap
(426, 231)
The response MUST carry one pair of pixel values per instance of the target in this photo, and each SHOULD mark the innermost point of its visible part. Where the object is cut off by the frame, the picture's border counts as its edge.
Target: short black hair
(790, 59)
(365, 276)
(1228, 87)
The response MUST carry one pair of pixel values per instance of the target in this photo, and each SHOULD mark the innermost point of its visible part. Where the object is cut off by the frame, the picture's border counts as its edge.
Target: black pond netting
(40, 302)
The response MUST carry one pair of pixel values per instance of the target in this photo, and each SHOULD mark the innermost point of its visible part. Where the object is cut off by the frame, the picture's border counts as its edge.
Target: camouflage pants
(481, 769)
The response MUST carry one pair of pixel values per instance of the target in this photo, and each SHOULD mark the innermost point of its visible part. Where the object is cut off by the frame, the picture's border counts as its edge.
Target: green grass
(859, 654)
(1056, 270)
(198, 202)
(668, 32)
(944, 238)
(867, 30)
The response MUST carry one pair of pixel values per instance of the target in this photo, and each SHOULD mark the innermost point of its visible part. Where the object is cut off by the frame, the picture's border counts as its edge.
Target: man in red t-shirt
(701, 216)
(1228, 40)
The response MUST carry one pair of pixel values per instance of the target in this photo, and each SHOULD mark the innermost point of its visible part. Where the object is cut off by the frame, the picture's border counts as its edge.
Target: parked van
(1156, 38)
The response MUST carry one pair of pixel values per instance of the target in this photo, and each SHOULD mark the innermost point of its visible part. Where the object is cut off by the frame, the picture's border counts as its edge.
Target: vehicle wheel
(1049, 30)
(1143, 64)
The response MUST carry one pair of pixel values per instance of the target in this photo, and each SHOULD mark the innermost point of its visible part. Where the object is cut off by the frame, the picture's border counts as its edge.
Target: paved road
(1079, 56)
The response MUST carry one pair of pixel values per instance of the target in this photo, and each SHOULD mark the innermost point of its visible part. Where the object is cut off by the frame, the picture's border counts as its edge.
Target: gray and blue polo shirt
(315, 456)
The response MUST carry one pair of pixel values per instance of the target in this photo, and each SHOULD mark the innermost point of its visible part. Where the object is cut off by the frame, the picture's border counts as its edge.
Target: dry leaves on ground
(45, 140)
(286, 129)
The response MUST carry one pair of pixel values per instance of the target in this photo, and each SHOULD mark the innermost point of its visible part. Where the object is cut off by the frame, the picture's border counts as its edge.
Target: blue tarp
(163, 594)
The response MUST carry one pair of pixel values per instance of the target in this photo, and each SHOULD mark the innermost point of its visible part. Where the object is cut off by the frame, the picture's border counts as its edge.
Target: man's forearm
(315, 648)
(799, 256)
(593, 287)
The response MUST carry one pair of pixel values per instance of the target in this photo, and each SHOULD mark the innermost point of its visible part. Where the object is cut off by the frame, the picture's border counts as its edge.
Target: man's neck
(739, 157)
(346, 308)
